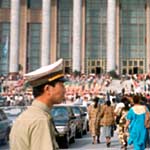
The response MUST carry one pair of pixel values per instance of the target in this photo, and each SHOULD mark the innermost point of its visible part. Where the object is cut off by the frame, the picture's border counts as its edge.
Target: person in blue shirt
(135, 123)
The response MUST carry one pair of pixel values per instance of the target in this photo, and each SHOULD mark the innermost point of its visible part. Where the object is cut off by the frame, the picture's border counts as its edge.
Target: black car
(64, 121)
(5, 126)
(13, 112)
(2, 101)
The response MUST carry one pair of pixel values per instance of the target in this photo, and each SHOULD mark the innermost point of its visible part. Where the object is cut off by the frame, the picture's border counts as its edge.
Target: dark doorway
(124, 71)
(67, 70)
(135, 70)
(130, 71)
(98, 70)
(93, 71)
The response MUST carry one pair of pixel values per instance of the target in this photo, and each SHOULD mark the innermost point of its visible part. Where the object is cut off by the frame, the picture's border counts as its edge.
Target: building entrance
(135, 70)
(98, 70)
(67, 70)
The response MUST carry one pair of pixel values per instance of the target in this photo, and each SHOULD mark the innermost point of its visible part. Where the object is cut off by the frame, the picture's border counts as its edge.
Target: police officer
(34, 129)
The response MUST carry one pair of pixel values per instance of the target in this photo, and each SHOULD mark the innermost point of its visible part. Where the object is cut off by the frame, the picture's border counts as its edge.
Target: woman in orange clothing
(94, 125)
(107, 121)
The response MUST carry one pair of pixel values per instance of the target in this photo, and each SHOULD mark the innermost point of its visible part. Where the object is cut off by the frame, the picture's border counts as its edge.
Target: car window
(76, 110)
(59, 111)
(84, 109)
(2, 115)
(13, 111)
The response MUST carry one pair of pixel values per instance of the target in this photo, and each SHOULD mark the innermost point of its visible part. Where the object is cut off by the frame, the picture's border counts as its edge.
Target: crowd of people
(127, 116)
(14, 91)
(123, 110)
(83, 87)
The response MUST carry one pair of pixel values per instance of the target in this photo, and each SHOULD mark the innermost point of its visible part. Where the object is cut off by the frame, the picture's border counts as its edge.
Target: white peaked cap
(46, 74)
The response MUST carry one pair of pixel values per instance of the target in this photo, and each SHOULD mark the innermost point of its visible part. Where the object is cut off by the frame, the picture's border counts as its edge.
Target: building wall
(96, 64)
(23, 35)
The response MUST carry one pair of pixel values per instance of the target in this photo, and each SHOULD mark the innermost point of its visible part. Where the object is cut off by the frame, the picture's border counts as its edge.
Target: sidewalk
(85, 143)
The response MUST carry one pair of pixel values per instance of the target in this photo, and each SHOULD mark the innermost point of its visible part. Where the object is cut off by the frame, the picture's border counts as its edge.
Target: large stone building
(93, 36)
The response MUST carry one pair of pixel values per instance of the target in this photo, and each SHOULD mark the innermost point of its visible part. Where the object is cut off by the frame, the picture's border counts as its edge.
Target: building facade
(92, 36)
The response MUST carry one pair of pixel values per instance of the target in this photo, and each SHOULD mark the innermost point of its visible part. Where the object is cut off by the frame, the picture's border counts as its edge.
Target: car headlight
(62, 129)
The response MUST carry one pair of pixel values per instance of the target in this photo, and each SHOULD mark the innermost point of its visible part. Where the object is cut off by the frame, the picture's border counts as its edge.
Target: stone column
(118, 70)
(111, 12)
(23, 35)
(53, 46)
(76, 64)
(148, 36)
(83, 68)
(14, 36)
(45, 50)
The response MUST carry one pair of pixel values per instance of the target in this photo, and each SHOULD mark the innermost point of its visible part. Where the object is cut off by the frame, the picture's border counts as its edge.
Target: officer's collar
(41, 105)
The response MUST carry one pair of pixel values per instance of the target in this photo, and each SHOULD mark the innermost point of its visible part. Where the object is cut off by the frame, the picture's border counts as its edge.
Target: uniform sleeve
(41, 136)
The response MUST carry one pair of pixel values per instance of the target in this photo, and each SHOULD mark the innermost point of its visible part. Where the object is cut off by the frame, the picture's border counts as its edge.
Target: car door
(79, 121)
(72, 123)
(84, 118)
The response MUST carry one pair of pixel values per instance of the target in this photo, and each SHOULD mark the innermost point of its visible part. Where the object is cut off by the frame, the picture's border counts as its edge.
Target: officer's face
(58, 93)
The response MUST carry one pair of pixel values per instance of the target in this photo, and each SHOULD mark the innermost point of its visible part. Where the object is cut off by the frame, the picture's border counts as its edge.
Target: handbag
(147, 119)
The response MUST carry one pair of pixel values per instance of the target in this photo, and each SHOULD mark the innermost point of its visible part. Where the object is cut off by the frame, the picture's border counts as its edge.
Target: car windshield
(13, 111)
(59, 112)
(76, 110)
(84, 109)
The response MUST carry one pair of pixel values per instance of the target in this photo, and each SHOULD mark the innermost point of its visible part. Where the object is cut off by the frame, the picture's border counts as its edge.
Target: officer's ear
(48, 88)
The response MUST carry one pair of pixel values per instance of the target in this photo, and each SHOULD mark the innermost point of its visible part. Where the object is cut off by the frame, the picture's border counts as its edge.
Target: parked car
(5, 126)
(13, 112)
(79, 120)
(64, 121)
(2, 101)
(86, 119)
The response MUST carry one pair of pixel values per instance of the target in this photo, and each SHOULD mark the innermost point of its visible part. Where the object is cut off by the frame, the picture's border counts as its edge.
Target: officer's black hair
(38, 90)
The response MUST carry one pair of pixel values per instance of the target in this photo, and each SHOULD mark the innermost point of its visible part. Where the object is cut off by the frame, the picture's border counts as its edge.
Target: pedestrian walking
(148, 135)
(94, 120)
(122, 133)
(135, 124)
(34, 129)
(107, 121)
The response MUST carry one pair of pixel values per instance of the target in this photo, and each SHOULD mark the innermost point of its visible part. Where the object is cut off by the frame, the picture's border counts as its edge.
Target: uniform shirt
(33, 129)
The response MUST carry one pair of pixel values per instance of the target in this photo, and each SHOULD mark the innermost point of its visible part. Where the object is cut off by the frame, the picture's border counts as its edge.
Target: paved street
(85, 143)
